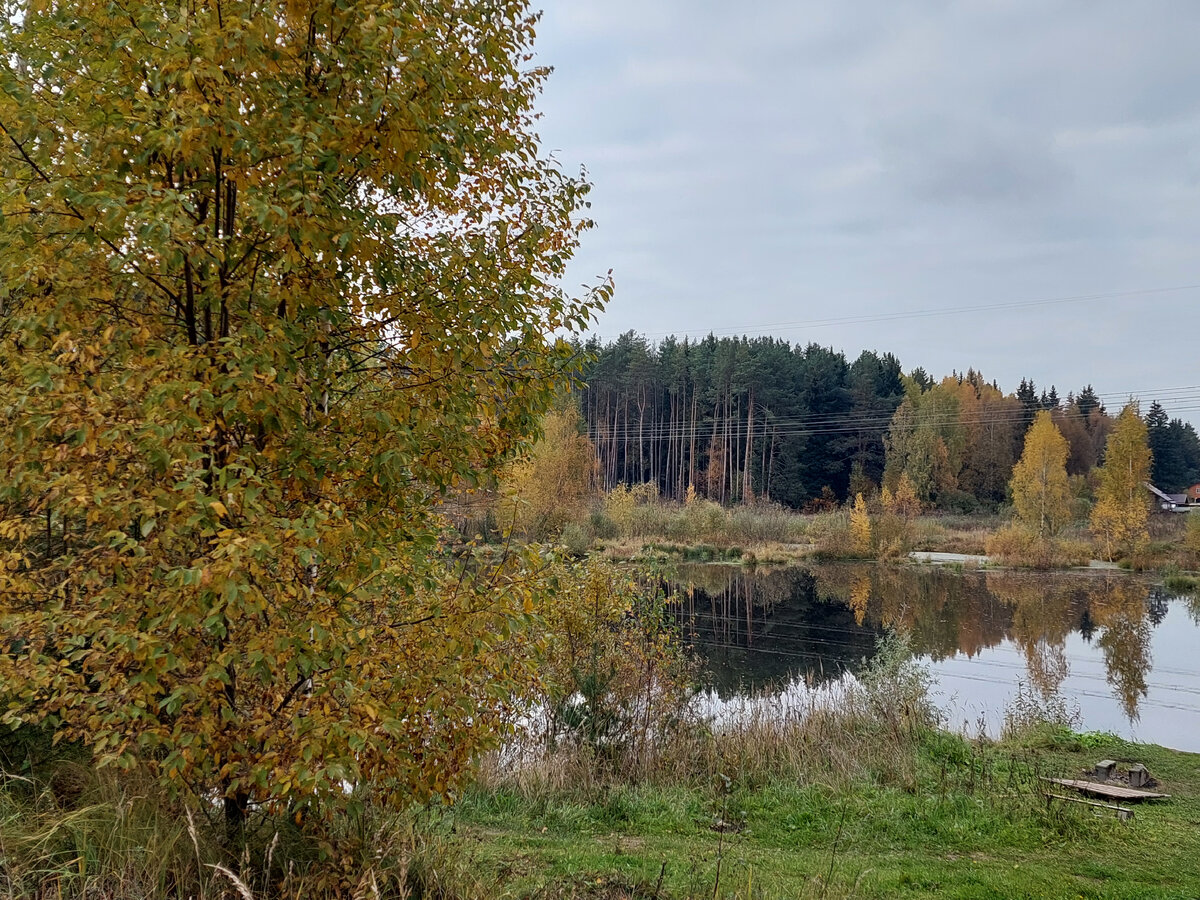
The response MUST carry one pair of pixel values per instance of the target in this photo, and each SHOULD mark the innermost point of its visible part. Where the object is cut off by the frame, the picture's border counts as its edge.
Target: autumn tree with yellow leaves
(1120, 516)
(274, 278)
(860, 526)
(551, 485)
(1040, 491)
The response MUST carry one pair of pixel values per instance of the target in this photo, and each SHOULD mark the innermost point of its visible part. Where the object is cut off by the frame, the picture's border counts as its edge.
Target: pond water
(1116, 651)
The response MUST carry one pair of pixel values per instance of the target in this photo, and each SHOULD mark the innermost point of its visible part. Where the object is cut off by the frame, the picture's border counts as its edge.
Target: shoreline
(775, 554)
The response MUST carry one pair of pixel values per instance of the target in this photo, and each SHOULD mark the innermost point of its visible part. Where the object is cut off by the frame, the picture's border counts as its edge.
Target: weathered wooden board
(1122, 813)
(1110, 791)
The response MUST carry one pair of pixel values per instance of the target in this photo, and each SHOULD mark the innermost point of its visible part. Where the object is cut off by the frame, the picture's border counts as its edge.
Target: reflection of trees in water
(860, 597)
(757, 627)
(1193, 605)
(1158, 601)
(1120, 607)
(943, 613)
(1044, 612)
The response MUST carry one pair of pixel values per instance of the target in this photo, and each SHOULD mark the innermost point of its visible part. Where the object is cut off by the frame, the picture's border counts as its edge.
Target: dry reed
(864, 728)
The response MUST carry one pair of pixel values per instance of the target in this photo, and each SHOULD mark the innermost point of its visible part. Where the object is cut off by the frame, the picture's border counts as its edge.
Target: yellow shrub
(860, 526)
(1016, 546)
(1191, 539)
(553, 484)
(618, 506)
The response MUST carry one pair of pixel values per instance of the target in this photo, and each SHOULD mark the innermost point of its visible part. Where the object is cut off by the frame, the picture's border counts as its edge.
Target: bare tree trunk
(771, 464)
(692, 448)
(747, 485)
(612, 445)
(714, 490)
(762, 454)
(730, 453)
(624, 467)
(642, 434)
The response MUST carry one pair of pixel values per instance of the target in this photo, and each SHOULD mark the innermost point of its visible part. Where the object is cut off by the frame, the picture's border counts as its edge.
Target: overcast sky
(769, 163)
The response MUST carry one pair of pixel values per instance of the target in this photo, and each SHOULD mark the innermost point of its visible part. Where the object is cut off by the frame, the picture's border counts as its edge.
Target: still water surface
(1118, 651)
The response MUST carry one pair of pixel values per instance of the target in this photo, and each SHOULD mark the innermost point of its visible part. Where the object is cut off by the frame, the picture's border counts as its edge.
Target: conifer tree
(1030, 404)
(1088, 401)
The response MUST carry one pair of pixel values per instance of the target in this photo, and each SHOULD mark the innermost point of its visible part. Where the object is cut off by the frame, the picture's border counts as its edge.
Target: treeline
(740, 419)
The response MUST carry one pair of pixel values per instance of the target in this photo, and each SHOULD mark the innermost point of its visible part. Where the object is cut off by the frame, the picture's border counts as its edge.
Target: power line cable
(819, 422)
(792, 426)
(1143, 701)
(869, 318)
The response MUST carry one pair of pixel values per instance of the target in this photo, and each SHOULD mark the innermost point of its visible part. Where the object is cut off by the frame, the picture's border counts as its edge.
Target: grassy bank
(868, 799)
(954, 819)
(968, 820)
(871, 799)
(770, 533)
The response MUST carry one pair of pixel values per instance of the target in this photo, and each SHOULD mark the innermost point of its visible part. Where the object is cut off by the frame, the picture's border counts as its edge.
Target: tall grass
(121, 838)
(109, 838)
(625, 519)
(1014, 546)
(869, 728)
(797, 766)
(703, 520)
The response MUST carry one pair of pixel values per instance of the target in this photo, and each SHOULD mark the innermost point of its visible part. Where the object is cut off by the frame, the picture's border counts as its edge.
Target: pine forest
(758, 419)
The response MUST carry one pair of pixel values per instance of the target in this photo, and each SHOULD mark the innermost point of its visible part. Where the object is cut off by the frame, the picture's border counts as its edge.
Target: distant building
(1184, 502)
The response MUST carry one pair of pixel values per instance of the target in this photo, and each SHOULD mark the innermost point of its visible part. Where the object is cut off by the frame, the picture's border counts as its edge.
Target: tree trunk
(747, 484)
(236, 808)
(692, 448)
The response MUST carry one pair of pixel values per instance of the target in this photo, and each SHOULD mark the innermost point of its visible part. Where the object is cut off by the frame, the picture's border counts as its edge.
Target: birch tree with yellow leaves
(1122, 511)
(274, 278)
(1040, 490)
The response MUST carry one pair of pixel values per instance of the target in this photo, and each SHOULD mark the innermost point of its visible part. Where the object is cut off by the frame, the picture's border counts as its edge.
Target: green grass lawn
(971, 823)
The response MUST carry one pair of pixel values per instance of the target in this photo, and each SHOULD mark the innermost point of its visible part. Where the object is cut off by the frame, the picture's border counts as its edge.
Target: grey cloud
(775, 160)
(944, 160)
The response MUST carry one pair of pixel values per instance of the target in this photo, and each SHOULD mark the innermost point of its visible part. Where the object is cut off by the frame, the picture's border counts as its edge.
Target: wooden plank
(1123, 813)
(1109, 791)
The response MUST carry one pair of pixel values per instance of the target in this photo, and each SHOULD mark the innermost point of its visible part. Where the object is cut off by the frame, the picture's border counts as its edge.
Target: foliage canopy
(1040, 491)
(1122, 510)
(274, 278)
(551, 485)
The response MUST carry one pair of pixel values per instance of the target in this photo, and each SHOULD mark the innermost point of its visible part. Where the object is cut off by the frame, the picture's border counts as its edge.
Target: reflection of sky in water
(796, 699)
(1169, 714)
